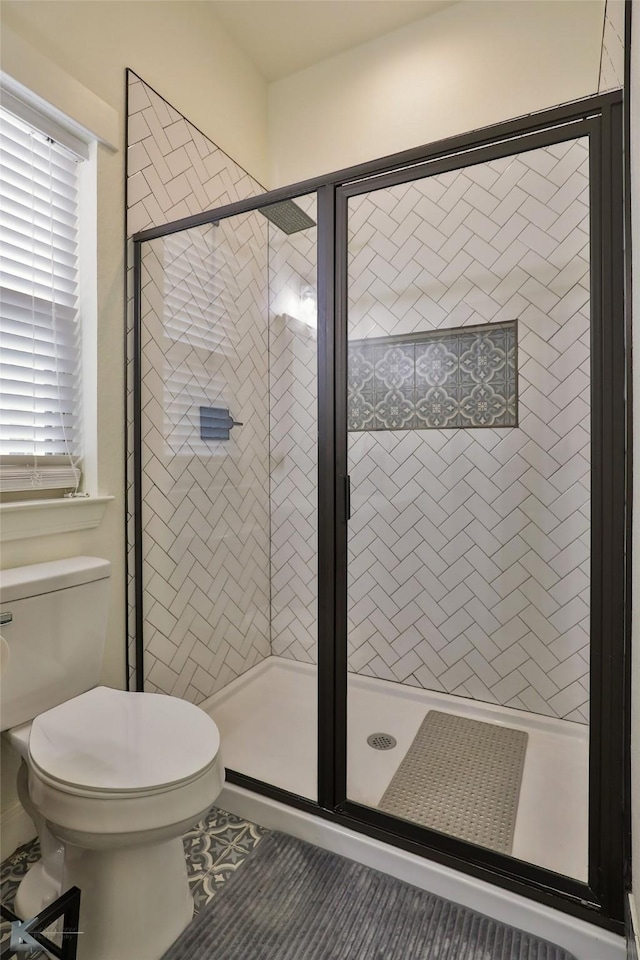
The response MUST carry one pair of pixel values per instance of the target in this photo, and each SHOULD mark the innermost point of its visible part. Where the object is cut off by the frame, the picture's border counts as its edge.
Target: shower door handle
(347, 498)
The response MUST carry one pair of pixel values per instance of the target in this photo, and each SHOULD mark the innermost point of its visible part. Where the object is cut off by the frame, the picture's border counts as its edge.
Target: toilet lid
(117, 741)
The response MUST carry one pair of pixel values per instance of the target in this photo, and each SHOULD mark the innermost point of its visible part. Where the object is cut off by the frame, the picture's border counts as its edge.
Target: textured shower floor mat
(462, 777)
(294, 901)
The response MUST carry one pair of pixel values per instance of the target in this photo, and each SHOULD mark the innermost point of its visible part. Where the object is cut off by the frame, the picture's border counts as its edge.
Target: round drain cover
(381, 741)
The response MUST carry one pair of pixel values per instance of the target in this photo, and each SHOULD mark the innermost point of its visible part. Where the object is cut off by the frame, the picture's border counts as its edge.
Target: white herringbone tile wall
(294, 430)
(612, 59)
(469, 549)
(205, 507)
(205, 503)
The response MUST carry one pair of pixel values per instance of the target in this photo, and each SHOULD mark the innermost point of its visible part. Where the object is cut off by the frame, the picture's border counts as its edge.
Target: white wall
(472, 64)
(179, 48)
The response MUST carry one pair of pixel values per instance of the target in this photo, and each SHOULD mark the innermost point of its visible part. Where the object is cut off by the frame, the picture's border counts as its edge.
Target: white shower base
(268, 726)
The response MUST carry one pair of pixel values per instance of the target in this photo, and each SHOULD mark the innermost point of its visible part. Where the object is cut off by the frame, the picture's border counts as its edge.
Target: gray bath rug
(293, 901)
(461, 777)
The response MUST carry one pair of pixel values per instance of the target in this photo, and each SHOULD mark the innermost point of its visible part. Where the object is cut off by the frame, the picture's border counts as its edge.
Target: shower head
(287, 216)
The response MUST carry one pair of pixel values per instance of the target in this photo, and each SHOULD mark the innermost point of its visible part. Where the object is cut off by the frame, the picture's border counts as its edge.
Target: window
(40, 348)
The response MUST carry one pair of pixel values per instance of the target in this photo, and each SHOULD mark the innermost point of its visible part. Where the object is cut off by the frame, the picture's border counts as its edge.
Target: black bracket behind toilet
(27, 934)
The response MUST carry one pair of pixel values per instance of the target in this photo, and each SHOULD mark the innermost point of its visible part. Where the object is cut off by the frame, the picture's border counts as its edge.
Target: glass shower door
(228, 330)
(469, 542)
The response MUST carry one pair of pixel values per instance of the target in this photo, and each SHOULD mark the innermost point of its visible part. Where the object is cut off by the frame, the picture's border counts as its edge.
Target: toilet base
(36, 891)
(134, 901)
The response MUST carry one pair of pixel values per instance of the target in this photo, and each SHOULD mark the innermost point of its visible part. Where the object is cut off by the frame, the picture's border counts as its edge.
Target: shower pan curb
(582, 939)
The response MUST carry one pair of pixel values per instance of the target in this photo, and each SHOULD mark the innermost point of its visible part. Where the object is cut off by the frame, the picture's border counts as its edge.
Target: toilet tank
(53, 646)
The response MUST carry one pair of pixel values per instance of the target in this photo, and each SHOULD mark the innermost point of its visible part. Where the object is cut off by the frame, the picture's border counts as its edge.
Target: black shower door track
(600, 900)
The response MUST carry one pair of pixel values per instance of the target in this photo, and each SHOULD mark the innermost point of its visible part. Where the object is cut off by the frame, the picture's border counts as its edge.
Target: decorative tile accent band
(464, 377)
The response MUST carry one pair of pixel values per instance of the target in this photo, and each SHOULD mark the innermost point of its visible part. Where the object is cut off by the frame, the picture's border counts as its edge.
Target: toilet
(112, 779)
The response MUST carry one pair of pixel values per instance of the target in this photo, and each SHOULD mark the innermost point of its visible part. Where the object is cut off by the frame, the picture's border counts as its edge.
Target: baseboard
(633, 929)
(583, 940)
(16, 828)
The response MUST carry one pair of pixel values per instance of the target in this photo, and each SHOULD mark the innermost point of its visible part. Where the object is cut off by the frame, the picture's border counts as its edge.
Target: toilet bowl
(118, 778)
(112, 779)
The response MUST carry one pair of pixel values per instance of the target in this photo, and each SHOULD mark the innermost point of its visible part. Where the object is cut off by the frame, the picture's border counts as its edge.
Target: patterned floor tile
(214, 849)
(253, 835)
(217, 818)
(221, 852)
(201, 852)
(230, 859)
(200, 896)
(12, 870)
(209, 885)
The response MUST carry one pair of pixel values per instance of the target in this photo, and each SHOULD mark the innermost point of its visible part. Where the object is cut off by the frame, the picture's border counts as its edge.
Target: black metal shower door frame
(603, 893)
(600, 900)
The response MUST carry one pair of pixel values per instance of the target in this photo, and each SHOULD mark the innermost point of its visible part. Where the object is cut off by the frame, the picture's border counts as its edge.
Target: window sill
(39, 518)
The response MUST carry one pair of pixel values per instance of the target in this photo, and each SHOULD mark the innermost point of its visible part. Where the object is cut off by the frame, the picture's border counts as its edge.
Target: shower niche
(381, 486)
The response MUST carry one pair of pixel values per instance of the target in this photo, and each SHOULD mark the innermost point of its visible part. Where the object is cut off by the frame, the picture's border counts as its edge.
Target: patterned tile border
(214, 849)
(464, 377)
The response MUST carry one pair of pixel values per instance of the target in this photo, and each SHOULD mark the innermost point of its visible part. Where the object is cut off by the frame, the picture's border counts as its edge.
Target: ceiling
(283, 36)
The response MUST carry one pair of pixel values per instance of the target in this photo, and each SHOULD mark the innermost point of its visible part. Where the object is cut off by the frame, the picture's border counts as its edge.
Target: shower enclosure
(380, 422)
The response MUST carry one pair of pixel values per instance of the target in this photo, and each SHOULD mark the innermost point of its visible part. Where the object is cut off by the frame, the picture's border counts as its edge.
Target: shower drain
(381, 741)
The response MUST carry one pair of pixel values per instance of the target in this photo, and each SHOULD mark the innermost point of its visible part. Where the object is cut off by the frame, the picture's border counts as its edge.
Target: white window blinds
(40, 389)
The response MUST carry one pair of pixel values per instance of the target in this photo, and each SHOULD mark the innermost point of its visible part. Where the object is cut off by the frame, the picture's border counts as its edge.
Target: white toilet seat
(112, 743)
(110, 762)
